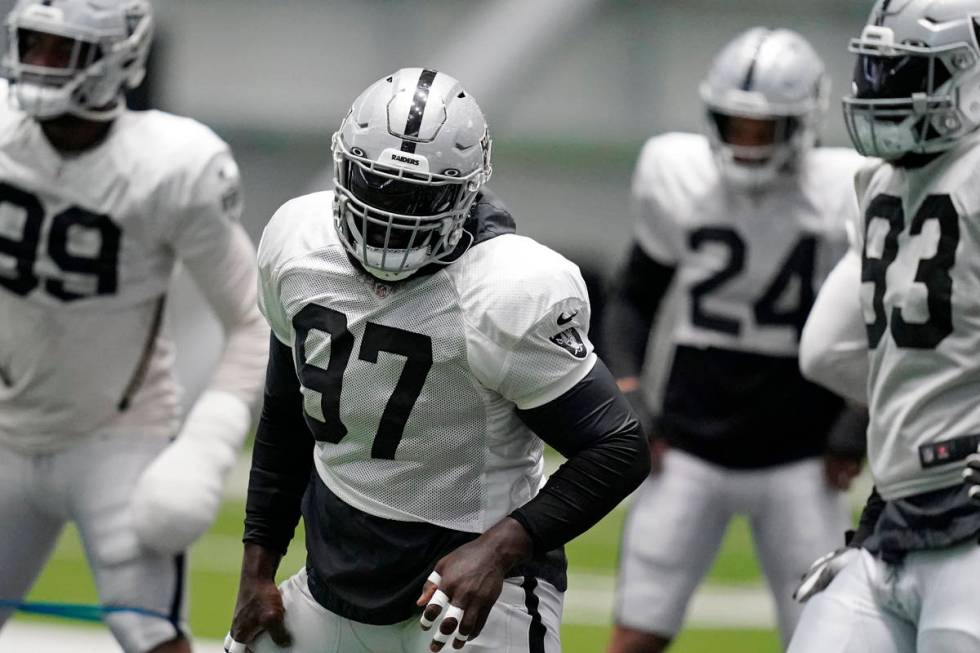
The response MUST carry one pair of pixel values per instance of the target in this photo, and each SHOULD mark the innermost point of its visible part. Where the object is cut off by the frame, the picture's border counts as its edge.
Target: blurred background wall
(571, 88)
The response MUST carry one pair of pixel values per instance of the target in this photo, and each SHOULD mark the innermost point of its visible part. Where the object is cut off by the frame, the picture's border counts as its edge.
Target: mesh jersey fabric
(498, 328)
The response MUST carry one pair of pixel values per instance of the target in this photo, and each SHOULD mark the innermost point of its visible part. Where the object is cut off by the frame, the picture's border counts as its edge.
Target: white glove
(971, 476)
(822, 571)
(179, 493)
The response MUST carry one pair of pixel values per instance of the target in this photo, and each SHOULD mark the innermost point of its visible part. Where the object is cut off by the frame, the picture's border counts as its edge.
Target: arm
(532, 348)
(593, 426)
(846, 447)
(638, 291)
(169, 516)
(834, 344)
(282, 462)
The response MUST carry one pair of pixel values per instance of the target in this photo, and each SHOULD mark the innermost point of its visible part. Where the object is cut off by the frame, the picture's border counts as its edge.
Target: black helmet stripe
(750, 73)
(880, 19)
(417, 111)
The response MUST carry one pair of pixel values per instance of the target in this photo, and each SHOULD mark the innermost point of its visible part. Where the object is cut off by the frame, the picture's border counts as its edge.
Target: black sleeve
(593, 426)
(849, 435)
(869, 519)
(282, 459)
(637, 292)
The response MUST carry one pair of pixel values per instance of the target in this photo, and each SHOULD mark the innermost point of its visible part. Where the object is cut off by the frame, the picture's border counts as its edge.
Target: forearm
(228, 279)
(595, 428)
(260, 562)
(848, 437)
(282, 459)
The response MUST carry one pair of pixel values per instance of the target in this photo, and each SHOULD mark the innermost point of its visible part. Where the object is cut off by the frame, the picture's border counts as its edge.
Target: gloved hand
(179, 493)
(822, 571)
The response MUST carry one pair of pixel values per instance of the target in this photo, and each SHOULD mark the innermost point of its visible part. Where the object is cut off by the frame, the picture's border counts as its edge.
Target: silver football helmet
(409, 160)
(916, 86)
(109, 41)
(765, 75)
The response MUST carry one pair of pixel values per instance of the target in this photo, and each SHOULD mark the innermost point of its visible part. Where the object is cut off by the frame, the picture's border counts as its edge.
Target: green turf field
(214, 575)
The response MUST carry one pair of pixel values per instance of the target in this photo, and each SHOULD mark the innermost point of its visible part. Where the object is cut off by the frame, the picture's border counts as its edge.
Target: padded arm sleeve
(834, 344)
(221, 259)
(282, 460)
(593, 426)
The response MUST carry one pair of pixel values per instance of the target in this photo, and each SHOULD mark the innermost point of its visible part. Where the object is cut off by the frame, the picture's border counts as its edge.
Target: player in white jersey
(422, 354)
(744, 224)
(97, 205)
(909, 584)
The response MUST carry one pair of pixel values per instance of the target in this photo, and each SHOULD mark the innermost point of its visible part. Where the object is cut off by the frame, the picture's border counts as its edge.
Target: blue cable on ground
(76, 611)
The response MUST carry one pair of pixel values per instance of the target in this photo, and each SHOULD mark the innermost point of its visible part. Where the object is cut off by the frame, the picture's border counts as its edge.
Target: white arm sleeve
(834, 344)
(656, 229)
(226, 275)
(179, 493)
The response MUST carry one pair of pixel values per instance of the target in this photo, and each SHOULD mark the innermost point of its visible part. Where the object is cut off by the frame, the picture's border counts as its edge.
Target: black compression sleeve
(593, 426)
(637, 292)
(849, 435)
(282, 459)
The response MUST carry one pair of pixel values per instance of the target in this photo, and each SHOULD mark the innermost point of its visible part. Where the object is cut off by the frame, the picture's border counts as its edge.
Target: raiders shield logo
(570, 341)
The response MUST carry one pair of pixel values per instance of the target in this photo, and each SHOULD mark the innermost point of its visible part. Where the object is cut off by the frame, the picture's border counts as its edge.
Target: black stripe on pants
(537, 630)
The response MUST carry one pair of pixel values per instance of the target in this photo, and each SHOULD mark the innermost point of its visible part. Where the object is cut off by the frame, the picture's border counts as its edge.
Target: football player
(744, 223)
(97, 204)
(907, 583)
(422, 353)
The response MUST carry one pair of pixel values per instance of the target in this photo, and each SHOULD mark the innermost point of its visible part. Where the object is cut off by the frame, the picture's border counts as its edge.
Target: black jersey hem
(744, 410)
(371, 570)
(933, 520)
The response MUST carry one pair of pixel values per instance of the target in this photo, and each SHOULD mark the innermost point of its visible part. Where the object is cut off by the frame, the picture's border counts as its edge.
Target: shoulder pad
(511, 283)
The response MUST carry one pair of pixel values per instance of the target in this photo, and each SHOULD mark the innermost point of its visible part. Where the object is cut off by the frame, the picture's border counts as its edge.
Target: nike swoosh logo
(565, 318)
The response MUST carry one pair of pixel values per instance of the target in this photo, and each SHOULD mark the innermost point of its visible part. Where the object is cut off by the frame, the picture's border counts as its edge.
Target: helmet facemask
(394, 221)
(765, 96)
(905, 97)
(753, 150)
(95, 67)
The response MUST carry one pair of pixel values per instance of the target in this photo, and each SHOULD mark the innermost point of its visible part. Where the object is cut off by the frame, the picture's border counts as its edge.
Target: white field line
(588, 602)
(24, 637)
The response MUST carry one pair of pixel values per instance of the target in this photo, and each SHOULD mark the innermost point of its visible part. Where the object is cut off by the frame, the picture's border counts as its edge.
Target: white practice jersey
(748, 263)
(88, 244)
(920, 295)
(410, 389)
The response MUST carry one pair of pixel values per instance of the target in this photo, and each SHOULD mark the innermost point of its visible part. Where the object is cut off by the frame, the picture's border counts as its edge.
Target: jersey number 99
(72, 223)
